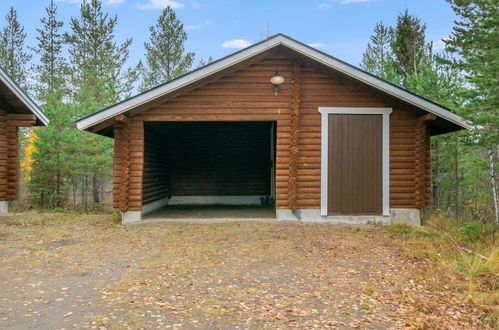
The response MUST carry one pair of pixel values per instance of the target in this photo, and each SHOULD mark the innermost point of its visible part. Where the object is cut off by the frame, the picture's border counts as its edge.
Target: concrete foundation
(156, 205)
(406, 216)
(154, 211)
(131, 216)
(214, 200)
(4, 207)
(314, 215)
(212, 213)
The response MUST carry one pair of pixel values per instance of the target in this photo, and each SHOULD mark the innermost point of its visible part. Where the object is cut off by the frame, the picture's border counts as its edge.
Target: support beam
(21, 120)
(136, 159)
(422, 158)
(121, 166)
(12, 162)
(294, 136)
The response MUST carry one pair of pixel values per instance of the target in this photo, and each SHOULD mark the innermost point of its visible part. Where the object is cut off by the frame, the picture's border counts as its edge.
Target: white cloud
(439, 45)
(236, 43)
(160, 4)
(198, 26)
(344, 2)
(316, 44)
(327, 5)
(71, 1)
(196, 5)
(106, 2)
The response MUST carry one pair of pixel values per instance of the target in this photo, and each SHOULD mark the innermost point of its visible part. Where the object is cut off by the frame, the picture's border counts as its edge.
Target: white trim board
(385, 112)
(23, 97)
(259, 48)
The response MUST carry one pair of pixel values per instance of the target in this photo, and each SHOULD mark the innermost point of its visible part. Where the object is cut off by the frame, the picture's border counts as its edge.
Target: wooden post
(3, 156)
(136, 154)
(294, 135)
(121, 165)
(422, 170)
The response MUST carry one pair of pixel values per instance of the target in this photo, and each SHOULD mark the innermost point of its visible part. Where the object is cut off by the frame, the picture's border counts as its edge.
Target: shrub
(470, 232)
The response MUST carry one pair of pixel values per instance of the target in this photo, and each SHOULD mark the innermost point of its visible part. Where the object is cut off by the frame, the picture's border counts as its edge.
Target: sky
(218, 28)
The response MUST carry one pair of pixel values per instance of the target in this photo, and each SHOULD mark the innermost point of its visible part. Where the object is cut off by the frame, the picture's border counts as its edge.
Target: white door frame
(385, 112)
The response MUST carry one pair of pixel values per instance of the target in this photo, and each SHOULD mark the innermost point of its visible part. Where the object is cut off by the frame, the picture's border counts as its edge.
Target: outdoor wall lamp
(276, 80)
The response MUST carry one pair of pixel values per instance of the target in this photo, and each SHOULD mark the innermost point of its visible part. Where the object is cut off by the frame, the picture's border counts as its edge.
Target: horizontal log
(21, 117)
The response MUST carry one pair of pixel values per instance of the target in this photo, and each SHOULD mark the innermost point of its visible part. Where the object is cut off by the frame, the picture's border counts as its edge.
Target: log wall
(3, 155)
(9, 152)
(247, 95)
(156, 182)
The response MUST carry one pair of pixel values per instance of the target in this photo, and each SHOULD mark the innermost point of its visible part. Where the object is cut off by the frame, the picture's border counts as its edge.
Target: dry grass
(469, 250)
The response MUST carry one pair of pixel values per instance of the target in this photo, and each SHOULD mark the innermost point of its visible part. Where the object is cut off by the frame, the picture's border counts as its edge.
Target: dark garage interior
(210, 168)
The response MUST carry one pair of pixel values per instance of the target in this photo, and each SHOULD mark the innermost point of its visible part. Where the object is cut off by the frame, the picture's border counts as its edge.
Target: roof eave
(24, 98)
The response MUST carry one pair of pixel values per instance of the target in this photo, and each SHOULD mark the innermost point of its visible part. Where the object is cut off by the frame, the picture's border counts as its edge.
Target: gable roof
(17, 100)
(258, 48)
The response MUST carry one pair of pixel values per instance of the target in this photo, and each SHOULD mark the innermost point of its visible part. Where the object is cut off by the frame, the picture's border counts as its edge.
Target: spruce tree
(13, 56)
(165, 53)
(409, 46)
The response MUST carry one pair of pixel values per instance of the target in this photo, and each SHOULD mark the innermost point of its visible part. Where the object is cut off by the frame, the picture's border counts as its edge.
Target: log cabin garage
(16, 110)
(277, 123)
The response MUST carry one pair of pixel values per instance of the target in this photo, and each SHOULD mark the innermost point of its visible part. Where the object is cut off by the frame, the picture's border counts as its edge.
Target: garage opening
(209, 169)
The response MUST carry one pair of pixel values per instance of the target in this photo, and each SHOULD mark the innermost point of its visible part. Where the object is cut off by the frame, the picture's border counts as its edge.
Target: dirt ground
(73, 271)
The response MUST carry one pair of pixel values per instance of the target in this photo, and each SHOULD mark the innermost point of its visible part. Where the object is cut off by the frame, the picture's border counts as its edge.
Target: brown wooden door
(355, 164)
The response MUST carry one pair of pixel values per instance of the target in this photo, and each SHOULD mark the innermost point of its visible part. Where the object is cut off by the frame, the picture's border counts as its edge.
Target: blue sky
(218, 27)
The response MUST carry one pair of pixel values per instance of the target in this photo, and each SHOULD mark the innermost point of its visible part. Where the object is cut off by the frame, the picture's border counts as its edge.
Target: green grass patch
(408, 232)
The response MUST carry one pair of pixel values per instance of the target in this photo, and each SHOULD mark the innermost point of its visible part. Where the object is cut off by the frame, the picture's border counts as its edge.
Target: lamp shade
(277, 79)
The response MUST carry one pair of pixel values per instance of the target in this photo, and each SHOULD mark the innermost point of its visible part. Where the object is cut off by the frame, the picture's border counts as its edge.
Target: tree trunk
(494, 185)
(58, 182)
(84, 196)
(95, 189)
(74, 194)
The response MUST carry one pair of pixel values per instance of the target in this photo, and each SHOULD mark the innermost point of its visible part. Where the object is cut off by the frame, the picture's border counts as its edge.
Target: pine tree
(96, 60)
(49, 147)
(165, 54)
(474, 39)
(51, 69)
(409, 46)
(13, 56)
(204, 63)
(99, 79)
